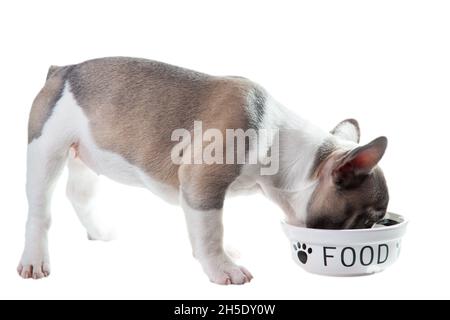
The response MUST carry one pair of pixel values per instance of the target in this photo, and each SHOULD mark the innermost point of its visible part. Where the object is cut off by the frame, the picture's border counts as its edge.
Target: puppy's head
(351, 192)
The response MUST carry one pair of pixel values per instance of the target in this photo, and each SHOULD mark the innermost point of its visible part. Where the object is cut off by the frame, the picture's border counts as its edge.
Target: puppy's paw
(102, 235)
(35, 271)
(35, 263)
(101, 231)
(226, 272)
(34, 266)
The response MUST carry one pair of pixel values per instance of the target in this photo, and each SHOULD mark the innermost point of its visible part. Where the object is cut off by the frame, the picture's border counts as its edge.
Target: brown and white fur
(115, 116)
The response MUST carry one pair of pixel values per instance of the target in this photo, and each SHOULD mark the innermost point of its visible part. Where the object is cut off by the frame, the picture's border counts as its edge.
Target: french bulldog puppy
(121, 117)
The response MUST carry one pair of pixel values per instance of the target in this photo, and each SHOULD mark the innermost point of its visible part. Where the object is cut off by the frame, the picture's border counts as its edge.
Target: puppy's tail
(52, 70)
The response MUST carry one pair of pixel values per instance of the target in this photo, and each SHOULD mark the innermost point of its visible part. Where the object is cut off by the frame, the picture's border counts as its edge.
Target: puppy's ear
(348, 130)
(351, 170)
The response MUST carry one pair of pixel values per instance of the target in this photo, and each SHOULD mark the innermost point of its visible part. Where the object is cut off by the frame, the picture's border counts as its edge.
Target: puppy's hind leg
(81, 190)
(45, 160)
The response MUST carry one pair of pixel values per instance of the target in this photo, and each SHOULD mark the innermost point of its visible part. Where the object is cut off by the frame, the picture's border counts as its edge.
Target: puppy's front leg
(206, 234)
(203, 210)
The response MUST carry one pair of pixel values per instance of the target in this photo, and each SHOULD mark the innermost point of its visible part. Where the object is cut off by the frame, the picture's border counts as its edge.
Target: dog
(117, 117)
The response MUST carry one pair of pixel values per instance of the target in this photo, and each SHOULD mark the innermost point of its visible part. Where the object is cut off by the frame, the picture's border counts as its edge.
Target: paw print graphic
(302, 252)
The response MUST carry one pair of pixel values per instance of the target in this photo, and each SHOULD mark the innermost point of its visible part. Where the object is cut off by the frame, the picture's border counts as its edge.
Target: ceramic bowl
(353, 252)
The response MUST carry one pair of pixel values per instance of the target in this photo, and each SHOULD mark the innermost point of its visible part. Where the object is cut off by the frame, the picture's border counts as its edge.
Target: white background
(385, 63)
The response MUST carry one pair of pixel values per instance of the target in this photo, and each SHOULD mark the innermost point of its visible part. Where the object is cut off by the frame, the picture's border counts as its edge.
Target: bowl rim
(345, 236)
(374, 230)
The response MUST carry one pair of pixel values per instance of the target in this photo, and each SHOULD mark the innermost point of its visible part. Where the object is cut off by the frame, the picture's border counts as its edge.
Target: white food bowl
(347, 252)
